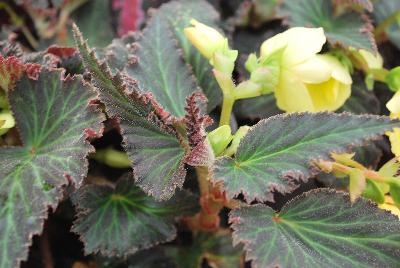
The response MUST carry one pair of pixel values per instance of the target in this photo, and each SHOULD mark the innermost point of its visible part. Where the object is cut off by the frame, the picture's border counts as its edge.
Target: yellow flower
(213, 45)
(206, 39)
(394, 105)
(394, 136)
(307, 81)
(332, 94)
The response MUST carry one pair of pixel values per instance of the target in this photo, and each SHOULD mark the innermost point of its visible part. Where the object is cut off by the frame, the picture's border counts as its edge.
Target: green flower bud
(220, 138)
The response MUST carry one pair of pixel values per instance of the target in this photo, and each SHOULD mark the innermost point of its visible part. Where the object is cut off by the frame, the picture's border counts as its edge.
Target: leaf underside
(119, 221)
(52, 116)
(320, 228)
(277, 153)
(348, 30)
(152, 145)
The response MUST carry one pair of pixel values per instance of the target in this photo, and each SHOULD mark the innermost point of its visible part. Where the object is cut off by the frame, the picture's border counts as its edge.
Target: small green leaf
(276, 154)
(320, 228)
(152, 144)
(374, 192)
(122, 220)
(395, 193)
(356, 184)
(52, 116)
(347, 30)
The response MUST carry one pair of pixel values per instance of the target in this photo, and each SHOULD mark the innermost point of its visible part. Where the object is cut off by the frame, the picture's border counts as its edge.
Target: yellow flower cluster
(307, 81)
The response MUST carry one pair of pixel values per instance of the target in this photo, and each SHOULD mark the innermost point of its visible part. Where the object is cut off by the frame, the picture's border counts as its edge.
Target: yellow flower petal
(301, 44)
(329, 96)
(394, 137)
(314, 70)
(339, 71)
(372, 61)
(206, 39)
(394, 105)
(291, 94)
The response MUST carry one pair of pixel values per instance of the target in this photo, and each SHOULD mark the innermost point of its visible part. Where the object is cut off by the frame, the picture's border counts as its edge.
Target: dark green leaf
(215, 247)
(383, 9)
(257, 108)
(119, 221)
(119, 52)
(52, 116)
(347, 30)
(320, 228)
(362, 100)
(151, 143)
(160, 68)
(178, 16)
(94, 20)
(276, 154)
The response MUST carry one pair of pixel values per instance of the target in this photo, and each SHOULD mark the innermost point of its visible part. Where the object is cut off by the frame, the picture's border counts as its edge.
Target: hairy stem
(328, 166)
(202, 178)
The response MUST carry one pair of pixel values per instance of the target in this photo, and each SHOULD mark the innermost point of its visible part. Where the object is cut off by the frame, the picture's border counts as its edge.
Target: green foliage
(152, 145)
(348, 30)
(150, 87)
(118, 221)
(277, 153)
(318, 229)
(95, 21)
(170, 80)
(52, 116)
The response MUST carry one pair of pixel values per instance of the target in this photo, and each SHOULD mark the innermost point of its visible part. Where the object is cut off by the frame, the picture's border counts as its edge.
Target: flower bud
(220, 138)
(206, 39)
(6, 122)
(393, 79)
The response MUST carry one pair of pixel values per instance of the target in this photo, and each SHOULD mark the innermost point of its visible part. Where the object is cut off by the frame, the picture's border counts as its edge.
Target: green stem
(385, 24)
(227, 106)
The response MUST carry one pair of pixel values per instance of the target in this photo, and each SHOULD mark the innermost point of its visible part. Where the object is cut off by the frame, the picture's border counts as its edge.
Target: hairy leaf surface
(120, 221)
(320, 228)
(348, 30)
(52, 116)
(277, 153)
(160, 68)
(178, 15)
(152, 145)
(362, 100)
